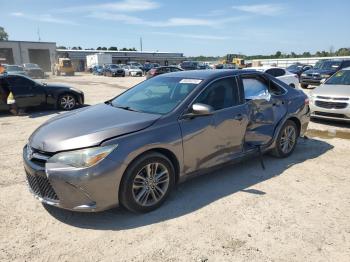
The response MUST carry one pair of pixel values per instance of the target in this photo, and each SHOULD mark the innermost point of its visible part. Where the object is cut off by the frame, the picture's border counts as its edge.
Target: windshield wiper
(126, 108)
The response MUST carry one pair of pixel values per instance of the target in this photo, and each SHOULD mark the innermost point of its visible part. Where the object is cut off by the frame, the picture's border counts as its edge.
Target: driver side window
(221, 94)
(254, 88)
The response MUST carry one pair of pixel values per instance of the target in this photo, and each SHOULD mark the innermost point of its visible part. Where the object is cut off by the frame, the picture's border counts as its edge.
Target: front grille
(41, 186)
(333, 98)
(331, 105)
(329, 114)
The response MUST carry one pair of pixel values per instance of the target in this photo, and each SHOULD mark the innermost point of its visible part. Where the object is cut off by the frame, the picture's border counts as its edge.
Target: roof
(205, 74)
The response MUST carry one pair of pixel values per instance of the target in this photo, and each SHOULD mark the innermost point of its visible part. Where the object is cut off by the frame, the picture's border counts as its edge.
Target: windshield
(340, 78)
(12, 68)
(134, 67)
(327, 65)
(31, 66)
(158, 95)
(114, 66)
(294, 67)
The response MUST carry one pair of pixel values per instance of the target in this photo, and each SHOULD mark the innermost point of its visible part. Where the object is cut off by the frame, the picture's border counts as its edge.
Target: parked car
(134, 148)
(331, 100)
(189, 65)
(33, 70)
(322, 70)
(162, 70)
(98, 70)
(132, 71)
(298, 68)
(113, 70)
(15, 69)
(135, 64)
(30, 93)
(149, 66)
(290, 79)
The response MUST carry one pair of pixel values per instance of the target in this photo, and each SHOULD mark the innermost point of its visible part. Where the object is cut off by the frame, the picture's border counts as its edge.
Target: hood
(88, 127)
(320, 71)
(332, 91)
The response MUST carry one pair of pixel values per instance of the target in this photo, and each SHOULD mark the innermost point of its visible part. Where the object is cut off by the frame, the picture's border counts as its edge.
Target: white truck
(98, 59)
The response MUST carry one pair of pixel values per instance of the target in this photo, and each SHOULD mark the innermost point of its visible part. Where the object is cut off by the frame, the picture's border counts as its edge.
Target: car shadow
(198, 192)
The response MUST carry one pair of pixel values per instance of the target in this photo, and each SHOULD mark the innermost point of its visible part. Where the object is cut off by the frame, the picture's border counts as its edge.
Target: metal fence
(285, 62)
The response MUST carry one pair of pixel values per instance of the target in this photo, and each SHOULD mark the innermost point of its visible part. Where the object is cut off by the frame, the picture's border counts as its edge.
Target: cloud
(261, 9)
(171, 22)
(43, 18)
(121, 6)
(193, 36)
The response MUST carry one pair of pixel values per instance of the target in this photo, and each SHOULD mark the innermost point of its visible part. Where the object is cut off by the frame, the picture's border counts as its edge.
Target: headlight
(325, 76)
(303, 74)
(82, 158)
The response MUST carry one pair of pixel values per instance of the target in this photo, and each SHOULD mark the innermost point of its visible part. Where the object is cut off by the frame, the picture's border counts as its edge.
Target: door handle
(238, 117)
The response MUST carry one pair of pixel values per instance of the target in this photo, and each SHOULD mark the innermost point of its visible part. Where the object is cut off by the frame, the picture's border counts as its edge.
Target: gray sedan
(132, 150)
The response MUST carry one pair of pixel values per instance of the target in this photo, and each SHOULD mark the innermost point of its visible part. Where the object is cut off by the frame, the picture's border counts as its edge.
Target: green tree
(104, 48)
(278, 54)
(3, 35)
(113, 48)
(99, 48)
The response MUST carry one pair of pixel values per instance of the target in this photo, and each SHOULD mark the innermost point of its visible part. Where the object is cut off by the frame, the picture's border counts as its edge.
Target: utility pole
(39, 39)
(141, 44)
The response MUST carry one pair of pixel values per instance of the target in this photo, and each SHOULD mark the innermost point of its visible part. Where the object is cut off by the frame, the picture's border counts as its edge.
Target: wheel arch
(297, 123)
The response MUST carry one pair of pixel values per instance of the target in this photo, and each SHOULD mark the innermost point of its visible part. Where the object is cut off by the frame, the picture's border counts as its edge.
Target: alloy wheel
(288, 139)
(67, 102)
(150, 184)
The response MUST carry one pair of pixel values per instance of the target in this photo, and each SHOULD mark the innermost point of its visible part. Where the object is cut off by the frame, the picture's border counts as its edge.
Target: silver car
(332, 99)
(133, 149)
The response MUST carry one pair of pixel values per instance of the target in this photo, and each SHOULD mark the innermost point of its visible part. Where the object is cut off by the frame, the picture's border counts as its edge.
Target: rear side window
(254, 87)
(220, 94)
(276, 72)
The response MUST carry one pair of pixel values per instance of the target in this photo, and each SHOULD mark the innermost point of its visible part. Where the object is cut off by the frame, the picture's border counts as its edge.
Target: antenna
(39, 39)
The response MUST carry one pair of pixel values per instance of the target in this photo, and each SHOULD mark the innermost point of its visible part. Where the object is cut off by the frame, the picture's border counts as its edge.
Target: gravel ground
(298, 209)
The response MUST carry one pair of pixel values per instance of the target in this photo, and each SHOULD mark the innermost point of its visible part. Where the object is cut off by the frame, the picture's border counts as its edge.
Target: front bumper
(77, 189)
(310, 80)
(336, 110)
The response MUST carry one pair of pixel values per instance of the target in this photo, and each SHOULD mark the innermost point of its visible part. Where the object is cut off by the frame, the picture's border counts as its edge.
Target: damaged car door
(216, 136)
(266, 108)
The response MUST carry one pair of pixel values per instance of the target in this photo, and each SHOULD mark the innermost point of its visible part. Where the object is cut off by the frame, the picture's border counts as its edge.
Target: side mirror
(199, 109)
(262, 96)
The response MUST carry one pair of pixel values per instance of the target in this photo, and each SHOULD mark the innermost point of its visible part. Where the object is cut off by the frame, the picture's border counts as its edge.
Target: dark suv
(322, 70)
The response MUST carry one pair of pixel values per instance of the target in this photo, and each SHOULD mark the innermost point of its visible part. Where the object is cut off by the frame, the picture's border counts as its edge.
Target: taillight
(307, 101)
(152, 71)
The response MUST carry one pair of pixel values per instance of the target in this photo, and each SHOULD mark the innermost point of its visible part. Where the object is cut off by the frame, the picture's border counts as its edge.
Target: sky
(192, 27)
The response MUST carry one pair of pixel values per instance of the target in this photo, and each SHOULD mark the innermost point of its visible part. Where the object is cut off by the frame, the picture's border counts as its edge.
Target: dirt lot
(298, 209)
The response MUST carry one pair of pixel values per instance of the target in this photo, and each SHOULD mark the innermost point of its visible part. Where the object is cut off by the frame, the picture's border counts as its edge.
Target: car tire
(140, 186)
(286, 140)
(292, 85)
(67, 102)
(304, 86)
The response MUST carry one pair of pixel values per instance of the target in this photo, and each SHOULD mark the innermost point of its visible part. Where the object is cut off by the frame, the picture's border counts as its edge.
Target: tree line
(112, 48)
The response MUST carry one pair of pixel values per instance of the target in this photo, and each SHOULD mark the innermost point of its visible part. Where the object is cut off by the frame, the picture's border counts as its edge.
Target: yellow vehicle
(63, 66)
(234, 60)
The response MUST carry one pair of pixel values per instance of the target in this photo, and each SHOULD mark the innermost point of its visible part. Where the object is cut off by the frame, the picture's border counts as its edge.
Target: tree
(61, 47)
(278, 54)
(104, 48)
(113, 48)
(3, 35)
(99, 48)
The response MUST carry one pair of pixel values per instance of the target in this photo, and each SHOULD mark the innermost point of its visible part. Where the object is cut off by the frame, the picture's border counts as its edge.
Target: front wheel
(286, 140)
(147, 183)
(67, 102)
(304, 86)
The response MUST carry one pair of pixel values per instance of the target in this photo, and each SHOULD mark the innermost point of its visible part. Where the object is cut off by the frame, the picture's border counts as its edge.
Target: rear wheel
(67, 102)
(286, 140)
(147, 183)
(304, 86)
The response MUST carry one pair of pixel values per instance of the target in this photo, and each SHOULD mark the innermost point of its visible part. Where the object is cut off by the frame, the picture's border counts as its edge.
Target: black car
(30, 93)
(322, 70)
(189, 65)
(162, 70)
(33, 70)
(113, 70)
(298, 68)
